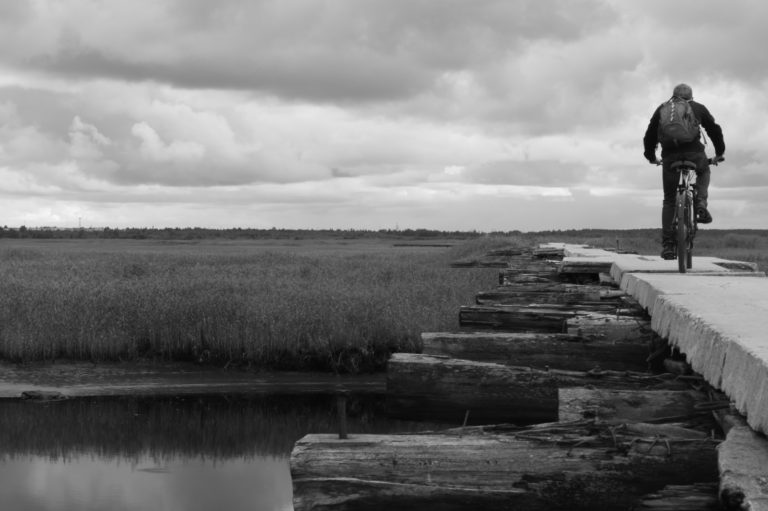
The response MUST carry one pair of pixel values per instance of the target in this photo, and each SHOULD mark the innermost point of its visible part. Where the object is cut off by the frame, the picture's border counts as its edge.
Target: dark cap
(683, 91)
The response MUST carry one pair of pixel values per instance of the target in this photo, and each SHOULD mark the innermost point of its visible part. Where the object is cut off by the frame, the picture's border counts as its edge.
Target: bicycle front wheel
(682, 211)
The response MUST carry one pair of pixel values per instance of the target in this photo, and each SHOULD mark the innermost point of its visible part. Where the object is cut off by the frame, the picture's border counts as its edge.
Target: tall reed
(340, 310)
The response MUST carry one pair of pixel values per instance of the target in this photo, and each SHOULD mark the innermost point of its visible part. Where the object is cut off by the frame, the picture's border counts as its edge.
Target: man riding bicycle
(672, 151)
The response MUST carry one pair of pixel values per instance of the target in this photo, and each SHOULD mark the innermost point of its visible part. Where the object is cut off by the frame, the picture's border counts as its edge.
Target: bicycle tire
(681, 212)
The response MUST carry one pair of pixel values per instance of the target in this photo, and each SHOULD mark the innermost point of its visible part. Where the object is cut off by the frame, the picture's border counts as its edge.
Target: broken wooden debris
(539, 350)
(619, 406)
(511, 278)
(576, 466)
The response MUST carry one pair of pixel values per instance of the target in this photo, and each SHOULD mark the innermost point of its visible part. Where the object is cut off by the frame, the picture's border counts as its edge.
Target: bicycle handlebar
(712, 161)
(715, 160)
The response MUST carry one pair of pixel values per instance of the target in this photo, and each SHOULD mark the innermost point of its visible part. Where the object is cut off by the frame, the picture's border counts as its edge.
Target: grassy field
(326, 303)
(293, 304)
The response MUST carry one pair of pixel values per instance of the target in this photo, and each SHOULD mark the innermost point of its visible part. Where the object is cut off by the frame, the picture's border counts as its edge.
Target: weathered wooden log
(618, 406)
(531, 266)
(742, 460)
(549, 292)
(549, 252)
(515, 318)
(429, 388)
(540, 350)
(585, 265)
(578, 467)
(542, 317)
(682, 497)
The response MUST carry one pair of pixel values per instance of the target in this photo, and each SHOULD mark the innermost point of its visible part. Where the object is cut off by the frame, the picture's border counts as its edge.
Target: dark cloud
(352, 76)
(333, 51)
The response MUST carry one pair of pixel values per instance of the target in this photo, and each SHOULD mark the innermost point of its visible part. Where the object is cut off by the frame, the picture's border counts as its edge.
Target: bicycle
(684, 222)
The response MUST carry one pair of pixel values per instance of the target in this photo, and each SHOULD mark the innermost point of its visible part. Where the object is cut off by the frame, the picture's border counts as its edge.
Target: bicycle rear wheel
(683, 221)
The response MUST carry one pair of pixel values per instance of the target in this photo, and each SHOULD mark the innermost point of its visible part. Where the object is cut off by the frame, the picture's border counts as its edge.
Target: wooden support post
(341, 408)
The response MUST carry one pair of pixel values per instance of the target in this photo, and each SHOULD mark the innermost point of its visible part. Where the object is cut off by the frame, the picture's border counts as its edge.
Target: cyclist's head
(683, 91)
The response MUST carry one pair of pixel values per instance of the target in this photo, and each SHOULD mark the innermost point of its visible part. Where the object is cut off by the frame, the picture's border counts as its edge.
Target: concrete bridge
(717, 315)
(546, 375)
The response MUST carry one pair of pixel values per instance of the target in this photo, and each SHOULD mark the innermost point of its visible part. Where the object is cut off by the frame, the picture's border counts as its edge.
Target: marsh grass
(329, 305)
(343, 310)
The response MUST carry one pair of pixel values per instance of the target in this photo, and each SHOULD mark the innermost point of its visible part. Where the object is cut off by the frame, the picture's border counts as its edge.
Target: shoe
(668, 252)
(703, 216)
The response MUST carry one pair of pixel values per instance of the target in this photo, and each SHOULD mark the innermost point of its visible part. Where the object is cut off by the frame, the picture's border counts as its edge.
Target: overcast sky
(440, 114)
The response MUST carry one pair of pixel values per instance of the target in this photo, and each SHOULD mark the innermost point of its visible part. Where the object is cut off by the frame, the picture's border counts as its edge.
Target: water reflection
(186, 453)
(85, 483)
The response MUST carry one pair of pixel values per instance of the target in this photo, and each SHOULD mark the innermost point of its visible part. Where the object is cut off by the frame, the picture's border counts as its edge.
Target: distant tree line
(199, 233)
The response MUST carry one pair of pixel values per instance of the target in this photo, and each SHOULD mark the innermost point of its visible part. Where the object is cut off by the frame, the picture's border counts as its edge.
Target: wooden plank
(424, 387)
(539, 350)
(579, 467)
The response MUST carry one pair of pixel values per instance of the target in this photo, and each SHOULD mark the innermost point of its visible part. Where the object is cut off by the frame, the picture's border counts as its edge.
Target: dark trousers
(670, 179)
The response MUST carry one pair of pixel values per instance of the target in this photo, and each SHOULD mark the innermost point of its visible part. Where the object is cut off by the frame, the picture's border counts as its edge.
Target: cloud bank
(368, 114)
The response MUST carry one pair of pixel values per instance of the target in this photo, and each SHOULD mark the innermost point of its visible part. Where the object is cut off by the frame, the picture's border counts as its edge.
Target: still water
(222, 453)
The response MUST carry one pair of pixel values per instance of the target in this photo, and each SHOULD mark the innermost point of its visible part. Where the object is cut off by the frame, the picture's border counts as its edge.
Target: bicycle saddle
(683, 163)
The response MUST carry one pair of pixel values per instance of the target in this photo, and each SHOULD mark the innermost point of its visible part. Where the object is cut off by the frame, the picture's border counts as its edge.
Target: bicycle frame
(684, 220)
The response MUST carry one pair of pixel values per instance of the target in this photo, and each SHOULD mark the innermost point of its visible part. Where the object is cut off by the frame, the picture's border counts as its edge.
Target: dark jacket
(706, 121)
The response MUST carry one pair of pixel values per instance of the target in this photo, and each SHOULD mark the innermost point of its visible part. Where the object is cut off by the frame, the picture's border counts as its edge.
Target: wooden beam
(554, 318)
(575, 466)
(540, 350)
(548, 292)
(430, 388)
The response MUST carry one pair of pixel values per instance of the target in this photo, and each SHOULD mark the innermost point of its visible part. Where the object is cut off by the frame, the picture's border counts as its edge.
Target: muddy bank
(77, 379)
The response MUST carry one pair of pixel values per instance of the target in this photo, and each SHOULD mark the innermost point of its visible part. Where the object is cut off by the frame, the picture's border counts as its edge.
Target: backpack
(677, 122)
